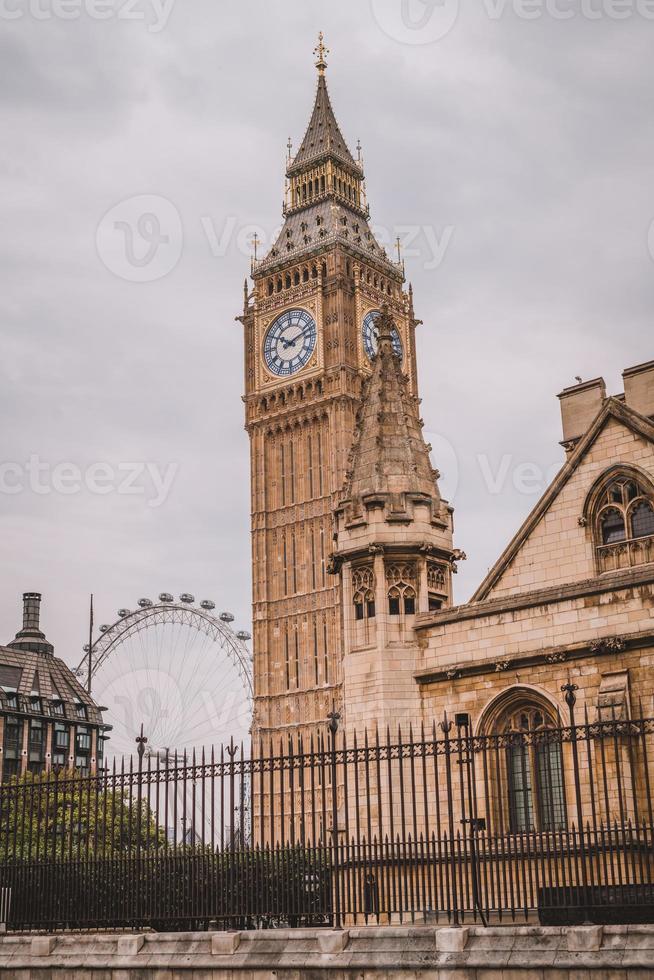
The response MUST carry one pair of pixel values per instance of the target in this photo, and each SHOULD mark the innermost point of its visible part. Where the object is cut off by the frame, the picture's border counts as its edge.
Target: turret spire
(389, 455)
(325, 198)
(320, 52)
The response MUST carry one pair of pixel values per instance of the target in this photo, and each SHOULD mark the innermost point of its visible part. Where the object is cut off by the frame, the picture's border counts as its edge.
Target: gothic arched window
(401, 584)
(363, 587)
(437, 585)
(613, 526)
(534, 770)
(642, 520)
(621, 509)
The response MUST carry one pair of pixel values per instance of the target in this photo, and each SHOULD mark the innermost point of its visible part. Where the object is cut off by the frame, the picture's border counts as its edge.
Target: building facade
(47, 719)
(353, 545)
(310, 336)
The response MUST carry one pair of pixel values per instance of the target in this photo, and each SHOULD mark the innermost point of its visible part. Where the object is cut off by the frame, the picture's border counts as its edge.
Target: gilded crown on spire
(320, 52)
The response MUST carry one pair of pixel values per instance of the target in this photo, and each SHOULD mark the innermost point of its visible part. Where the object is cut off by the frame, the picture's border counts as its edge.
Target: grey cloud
(533, 140)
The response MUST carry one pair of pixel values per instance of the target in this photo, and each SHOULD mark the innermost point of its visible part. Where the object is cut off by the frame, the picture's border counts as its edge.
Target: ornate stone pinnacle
(385, 327)
(320, 51)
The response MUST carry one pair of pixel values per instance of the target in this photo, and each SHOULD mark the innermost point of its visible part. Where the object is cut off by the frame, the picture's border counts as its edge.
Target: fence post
(334, 718)
(571, 699)
(472, 820)
(446, 728)
(141, 742)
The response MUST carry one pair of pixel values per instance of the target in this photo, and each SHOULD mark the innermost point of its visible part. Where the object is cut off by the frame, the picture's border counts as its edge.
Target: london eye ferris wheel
(176, 667)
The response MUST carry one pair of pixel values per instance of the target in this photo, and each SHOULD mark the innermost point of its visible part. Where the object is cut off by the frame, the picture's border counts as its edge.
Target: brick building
(47, 719)
(353, 545)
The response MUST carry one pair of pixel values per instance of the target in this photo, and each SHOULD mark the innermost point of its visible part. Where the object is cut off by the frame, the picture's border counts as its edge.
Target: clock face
(290, 342)
(371, 336)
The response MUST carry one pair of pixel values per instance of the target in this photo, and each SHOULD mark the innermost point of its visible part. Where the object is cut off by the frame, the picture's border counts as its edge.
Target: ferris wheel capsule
(145, 603)
(123, 613)
(86, 648)
(208, 604)
(244, 635)
(104, 628)
(226, 617)
(187, 597)
(166, 597)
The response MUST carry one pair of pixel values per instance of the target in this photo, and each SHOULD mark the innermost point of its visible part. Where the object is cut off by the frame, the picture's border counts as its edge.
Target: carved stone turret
(394, 550)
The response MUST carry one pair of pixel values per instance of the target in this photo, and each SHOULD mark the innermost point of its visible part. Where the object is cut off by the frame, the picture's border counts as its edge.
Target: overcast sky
(514, 154)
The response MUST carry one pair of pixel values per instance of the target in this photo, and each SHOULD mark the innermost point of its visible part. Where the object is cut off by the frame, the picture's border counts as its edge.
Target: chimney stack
(639, 388)
(580, 406)
(30, 638)
(31, 610)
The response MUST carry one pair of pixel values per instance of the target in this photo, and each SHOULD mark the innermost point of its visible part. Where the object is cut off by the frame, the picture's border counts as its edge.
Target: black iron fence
(534, 822)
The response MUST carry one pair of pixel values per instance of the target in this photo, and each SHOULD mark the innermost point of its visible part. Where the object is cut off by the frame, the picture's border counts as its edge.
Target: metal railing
(552, 824)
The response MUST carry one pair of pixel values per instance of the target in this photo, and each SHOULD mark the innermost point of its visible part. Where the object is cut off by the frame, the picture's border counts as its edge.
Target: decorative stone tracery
(401, 588)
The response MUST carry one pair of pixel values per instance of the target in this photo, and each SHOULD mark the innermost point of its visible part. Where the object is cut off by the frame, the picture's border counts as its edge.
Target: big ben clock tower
(310, 338)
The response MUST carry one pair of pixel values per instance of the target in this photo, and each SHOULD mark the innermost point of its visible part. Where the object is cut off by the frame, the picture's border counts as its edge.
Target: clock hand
(293, 340)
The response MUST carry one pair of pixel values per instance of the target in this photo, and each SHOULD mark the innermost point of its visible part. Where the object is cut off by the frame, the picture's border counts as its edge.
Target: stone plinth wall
(504, 953)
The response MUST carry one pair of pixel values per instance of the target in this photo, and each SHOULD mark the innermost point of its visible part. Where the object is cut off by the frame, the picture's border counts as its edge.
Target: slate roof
(323, 136)
(325, 222)
(48, 677)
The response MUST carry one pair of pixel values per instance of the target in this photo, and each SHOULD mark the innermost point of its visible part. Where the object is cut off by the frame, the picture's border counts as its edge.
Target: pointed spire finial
(320, 52)
(255, 246)
(289, 147)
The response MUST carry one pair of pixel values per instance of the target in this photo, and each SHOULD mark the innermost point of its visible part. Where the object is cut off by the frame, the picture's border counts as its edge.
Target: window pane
(521, 806)
(613, 529)
(642, 521)
(632, 491)
(394, 605)
(615, 493)
(551, 797)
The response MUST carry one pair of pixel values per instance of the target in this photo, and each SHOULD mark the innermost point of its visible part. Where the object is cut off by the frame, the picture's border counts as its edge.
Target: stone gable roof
(614, 408)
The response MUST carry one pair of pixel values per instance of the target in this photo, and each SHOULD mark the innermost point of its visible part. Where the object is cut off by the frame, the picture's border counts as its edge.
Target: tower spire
(389, 454)
(320, 52)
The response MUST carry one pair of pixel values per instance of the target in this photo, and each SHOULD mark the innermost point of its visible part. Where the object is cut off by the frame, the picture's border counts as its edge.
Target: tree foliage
(66, 815)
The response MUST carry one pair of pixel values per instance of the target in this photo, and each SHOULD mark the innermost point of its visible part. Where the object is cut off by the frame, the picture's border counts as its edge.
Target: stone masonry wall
(502, 953)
